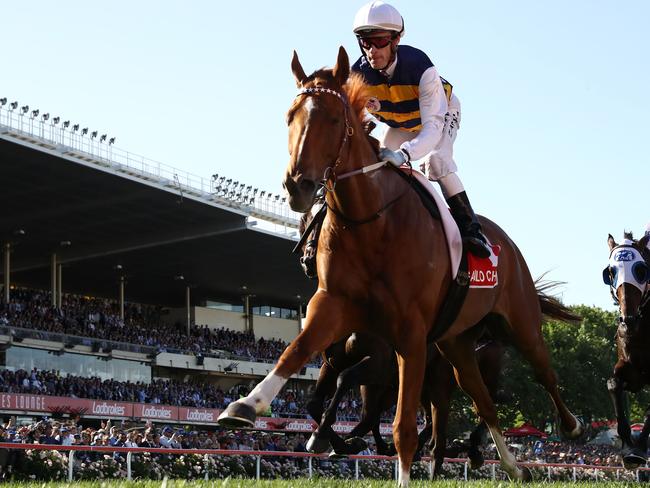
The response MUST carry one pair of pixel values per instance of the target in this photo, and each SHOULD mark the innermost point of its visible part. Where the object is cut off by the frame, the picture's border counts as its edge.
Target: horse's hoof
(634, 459)
(475, 460)
(526, 475)
(237, 415)
(317, 444)
(355, 445)
(335, 455)
(389, 450)
(577, 431)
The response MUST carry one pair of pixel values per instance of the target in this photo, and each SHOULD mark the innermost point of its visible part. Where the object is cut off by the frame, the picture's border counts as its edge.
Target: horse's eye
(640, 272)
(609, 275)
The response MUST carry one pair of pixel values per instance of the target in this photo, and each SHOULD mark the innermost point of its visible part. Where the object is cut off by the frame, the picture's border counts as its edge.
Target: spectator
(166, 437)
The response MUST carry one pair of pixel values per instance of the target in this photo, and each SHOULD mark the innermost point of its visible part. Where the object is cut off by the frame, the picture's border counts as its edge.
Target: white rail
(547, 470)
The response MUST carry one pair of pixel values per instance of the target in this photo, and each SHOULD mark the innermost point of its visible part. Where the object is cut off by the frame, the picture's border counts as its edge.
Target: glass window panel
(77, 364)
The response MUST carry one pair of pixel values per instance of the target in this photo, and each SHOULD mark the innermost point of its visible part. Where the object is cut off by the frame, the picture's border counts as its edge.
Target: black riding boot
(470, 229)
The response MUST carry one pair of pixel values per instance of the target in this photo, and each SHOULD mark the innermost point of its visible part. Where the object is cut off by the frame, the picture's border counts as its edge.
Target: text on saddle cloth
(483, 272)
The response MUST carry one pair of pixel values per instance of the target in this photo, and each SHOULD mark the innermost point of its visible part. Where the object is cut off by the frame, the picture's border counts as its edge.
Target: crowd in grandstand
(289, 403)
(54, 432)
(143, 325)
(569, 453)
(69, 433)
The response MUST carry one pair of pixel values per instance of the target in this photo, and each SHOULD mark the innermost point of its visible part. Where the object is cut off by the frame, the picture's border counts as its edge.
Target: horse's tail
(551, 306)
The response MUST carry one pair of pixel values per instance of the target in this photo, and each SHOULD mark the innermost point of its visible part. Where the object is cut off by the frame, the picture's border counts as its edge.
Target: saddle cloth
(454, 241)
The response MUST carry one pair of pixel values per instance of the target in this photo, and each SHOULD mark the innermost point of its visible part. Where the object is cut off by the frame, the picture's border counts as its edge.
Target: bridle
(330, 172)
(330, 177)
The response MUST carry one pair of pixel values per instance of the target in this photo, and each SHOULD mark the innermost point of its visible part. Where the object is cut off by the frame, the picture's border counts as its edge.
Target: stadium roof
(154, 227)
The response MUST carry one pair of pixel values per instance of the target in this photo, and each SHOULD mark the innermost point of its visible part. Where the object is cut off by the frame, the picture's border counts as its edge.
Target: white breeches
(439, 164)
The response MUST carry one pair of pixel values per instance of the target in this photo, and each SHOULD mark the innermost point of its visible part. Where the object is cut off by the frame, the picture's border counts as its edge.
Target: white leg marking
(508, 461)
(404, 476)
(264, 393)
(577, 430)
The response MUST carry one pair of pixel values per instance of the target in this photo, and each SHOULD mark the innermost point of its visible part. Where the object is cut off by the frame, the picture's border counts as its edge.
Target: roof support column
(299, 314)
(248, 316)
(7, 268)
(53, 280)
(59, 286)
(187, 307)
(122, 298)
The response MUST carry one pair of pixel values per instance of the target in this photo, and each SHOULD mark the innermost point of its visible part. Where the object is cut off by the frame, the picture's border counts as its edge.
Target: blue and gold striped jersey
(395, 100)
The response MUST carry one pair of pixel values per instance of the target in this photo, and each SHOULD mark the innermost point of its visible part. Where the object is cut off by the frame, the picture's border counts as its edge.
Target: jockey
(423, 115)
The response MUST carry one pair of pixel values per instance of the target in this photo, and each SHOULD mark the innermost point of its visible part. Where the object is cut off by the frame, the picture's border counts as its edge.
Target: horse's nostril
(307, 186)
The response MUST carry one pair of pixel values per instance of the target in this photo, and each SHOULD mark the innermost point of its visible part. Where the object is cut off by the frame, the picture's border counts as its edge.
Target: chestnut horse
(627, 275)
(383, 267)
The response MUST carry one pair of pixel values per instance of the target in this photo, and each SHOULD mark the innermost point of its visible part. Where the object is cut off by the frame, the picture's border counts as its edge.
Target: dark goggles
(377, 42)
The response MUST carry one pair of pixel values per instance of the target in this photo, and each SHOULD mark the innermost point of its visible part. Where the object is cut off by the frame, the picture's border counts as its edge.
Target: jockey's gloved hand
(396, 158)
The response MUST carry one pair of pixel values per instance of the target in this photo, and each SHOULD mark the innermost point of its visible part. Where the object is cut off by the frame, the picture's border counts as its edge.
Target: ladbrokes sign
(160, 412)
(111, 409)
(12, 403)
(197, 415)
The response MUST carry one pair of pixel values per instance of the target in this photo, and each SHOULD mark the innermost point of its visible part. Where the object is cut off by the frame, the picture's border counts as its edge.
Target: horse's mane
(358, 94)
(628, 235)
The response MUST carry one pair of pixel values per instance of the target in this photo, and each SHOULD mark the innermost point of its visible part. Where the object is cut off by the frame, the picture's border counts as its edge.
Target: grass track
(305, 483)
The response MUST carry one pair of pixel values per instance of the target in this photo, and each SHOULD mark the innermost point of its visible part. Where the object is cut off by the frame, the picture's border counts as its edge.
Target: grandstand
(99, 244)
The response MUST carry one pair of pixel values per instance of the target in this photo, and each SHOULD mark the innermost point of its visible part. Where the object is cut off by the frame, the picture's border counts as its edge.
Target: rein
(330, 178)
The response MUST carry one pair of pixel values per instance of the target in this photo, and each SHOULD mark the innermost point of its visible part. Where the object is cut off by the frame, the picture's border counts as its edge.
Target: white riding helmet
(378, 15)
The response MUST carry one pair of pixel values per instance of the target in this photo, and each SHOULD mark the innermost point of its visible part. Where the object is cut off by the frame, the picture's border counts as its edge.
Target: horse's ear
(296, 69)
(611, 242)
(341, 71)
(643, 242)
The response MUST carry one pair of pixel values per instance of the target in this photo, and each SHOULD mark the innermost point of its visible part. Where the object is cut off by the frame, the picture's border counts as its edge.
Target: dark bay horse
(362, 360)
(627, 274)
(369, 362)
(383, 268)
